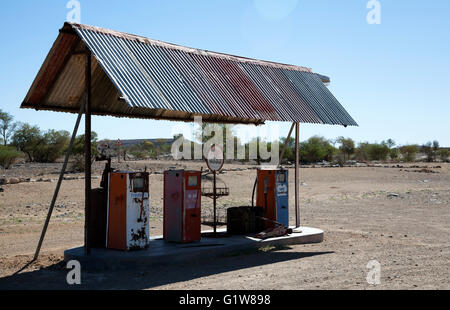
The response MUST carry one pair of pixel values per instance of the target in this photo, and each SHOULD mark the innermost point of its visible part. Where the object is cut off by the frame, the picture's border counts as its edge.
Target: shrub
(26, 138)
(7, 127)
(44, 147)
(8, 156)
(51, 147)
(409, 152)
(372, 151)
(78, 152)
(347, 146)
(444, 155)
(378, 151)
(394, 154)
(316, 149)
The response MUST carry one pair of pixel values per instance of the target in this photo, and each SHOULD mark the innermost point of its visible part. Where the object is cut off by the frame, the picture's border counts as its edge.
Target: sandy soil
(397, 216)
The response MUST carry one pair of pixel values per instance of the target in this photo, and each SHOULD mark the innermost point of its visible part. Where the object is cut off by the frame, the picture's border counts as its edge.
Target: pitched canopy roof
(136, 77)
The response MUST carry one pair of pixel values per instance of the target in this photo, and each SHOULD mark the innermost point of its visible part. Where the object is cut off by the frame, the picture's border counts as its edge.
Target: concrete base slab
(163, 253)
(297, 229)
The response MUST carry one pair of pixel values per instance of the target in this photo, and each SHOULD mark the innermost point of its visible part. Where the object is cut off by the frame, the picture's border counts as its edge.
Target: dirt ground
(399, 216)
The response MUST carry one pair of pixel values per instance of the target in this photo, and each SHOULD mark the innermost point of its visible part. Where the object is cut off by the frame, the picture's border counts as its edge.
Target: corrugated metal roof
(166, 81)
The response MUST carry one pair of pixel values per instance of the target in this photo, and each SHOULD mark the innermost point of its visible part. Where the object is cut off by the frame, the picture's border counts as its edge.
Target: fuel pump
(273, 195)
(182, 206)
(128, 211)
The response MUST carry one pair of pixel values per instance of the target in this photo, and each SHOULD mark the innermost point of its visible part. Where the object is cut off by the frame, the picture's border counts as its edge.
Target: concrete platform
(163, 253)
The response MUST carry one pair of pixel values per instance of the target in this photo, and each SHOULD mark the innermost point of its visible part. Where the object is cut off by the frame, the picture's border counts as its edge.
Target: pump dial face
(215, 158)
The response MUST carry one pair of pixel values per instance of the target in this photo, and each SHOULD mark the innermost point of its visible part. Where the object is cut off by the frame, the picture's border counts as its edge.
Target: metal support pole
(297, 175)
(285, 144)
(87, 154)
(215, 203)
(58, 185)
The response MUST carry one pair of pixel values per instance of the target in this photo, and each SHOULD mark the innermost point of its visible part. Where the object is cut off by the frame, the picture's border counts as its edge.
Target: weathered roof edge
(71, 48)
(188, 49)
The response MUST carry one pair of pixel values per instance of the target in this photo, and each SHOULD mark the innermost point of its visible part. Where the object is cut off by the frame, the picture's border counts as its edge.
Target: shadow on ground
(54, 277)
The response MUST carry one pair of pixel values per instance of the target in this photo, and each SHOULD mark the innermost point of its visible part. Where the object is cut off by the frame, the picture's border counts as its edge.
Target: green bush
(316, 149)
(378, 152)
(444, 155)
(42, 147)
(409, 152)
(372, 151)
(8, 156)
(78, 149)
(394, 154)
(51, 147)
(347, 146)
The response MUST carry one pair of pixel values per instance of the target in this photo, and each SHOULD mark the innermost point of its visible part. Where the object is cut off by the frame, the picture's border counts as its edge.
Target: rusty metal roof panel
(280, 94)
(319, 98)
(139, 77)
(197, 80)
(167, 78)
(217, 76)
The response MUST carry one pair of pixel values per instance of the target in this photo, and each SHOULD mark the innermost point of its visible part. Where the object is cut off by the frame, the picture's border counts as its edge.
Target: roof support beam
(297, 175)
(286, 142)
(87, 154)
(58, 185)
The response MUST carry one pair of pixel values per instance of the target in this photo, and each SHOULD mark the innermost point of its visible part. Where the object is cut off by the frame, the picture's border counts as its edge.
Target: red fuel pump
(182, 206)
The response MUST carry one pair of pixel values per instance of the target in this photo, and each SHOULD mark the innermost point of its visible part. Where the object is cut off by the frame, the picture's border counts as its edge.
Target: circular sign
(215, 158)
(102, 146)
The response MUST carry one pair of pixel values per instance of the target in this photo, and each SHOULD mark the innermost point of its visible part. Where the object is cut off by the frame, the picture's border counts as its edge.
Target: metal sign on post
(118, 145)
(214, 160)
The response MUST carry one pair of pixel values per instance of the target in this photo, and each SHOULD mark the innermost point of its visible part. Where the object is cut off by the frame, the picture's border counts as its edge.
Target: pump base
(163, 253)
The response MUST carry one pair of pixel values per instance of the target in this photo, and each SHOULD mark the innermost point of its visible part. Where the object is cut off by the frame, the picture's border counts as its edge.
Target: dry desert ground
(397, 215)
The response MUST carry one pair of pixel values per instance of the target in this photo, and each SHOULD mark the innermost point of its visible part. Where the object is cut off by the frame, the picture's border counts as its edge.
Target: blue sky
(392, 77)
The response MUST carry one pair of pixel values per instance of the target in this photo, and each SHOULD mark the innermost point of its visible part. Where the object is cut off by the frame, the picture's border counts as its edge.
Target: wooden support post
(87, 154)
(215, 204)
(286, 144)
(58, 185)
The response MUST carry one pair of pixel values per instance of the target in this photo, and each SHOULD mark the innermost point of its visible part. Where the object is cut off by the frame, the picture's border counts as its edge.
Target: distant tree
(347, 146)
(52, 146)
(378, 151)
(8, 156)
(316, 149)
(431, 150)
(38, 146)
(148, 146)
(361, 151)
(372, 151)
(390, 143)
(78, 147)
(7, 127)
(409, 152)
(428, 150)
(435, 149)
(394, 153)
(78, 151)
(444, 155)
(26, 139)
(289, 154)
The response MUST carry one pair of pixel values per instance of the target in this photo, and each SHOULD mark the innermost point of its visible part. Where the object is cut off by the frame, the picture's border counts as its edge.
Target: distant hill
(127, 143)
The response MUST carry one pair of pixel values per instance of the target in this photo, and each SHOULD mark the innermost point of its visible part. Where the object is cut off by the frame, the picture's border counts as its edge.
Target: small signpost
(214, 160)
(118, 144)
